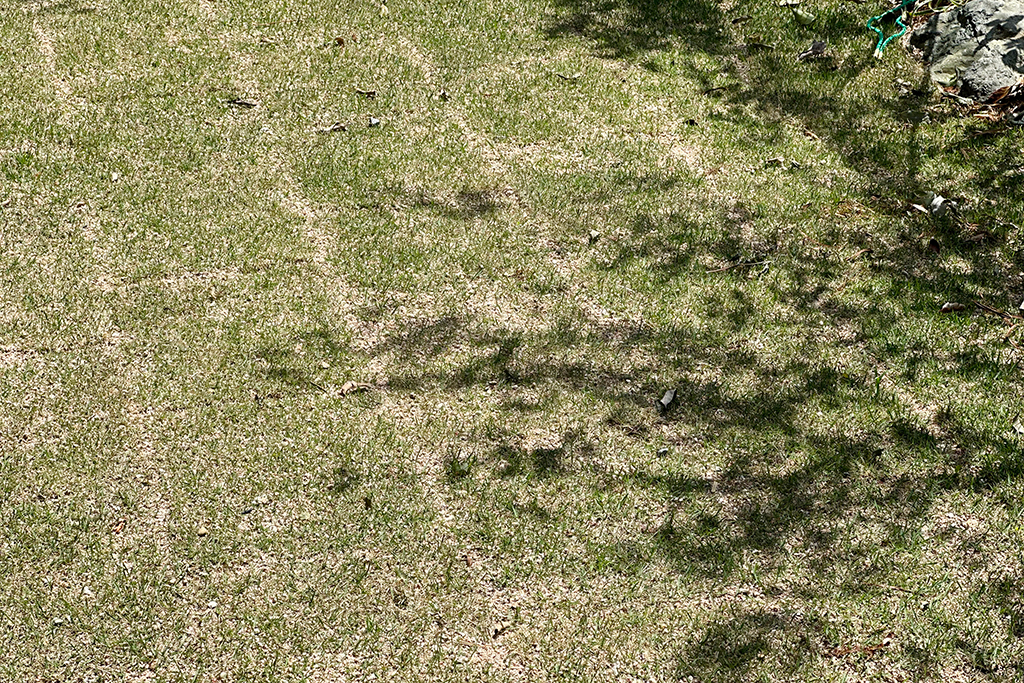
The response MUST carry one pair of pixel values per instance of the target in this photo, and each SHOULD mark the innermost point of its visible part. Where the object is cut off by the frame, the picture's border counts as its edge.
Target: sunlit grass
(283, 402)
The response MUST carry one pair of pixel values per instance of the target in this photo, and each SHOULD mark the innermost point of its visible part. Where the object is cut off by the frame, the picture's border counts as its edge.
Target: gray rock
(977, 48)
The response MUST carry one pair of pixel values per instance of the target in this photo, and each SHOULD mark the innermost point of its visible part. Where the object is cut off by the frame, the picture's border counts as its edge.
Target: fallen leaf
(340, 41)
(500, 628)
(862, 649)
(243, 103)
(951, 306)
(1018, 427)
(937, 205)
(802, 17)
(817, 49)
(665, 401)
(333, 128)
(351, 387)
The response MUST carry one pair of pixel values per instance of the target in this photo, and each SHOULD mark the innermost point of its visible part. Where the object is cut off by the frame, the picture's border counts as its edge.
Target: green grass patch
(331, 340)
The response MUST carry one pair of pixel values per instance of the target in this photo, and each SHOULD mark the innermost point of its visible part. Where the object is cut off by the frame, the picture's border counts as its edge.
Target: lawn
(332, 331)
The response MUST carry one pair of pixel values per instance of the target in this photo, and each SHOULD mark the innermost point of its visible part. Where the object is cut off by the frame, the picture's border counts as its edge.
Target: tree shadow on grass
(624, 29)
(785, 485)
(781, 486)
(63, 7)
(768, 86)
(738, 647)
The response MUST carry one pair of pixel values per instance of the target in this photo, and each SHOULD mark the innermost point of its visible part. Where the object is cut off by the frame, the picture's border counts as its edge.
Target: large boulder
(975, 49)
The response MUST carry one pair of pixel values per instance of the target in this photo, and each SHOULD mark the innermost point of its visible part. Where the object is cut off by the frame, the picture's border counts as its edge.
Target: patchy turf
(291, 396)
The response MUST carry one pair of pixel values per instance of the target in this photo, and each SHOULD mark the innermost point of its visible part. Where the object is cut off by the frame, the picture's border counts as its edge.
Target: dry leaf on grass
(817, 49)
(665, 402)
(351, 387)
(499, 629)
(333, 128)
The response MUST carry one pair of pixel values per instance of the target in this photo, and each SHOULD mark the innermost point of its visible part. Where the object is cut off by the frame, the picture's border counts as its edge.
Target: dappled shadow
(735, 649)
(767, 85)
(73, 7)
(782, 485)
(467, 204)
(290, 367)
(623, 29)
(804, 457)
(514, 459)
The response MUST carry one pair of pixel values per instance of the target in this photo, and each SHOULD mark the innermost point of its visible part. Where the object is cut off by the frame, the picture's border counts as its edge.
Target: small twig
(861, 253)
(988, 308)
(962, 101)
(368, 94)
(994, 311)
(312, 383)
(897, 588)
(808, 239)
(711, 90)
(738, 265)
